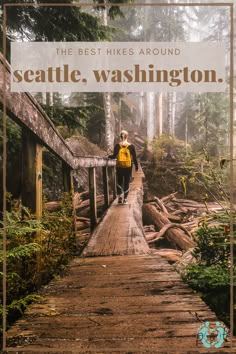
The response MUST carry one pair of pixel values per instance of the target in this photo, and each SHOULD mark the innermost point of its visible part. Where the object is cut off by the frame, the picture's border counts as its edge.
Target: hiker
(125, 154)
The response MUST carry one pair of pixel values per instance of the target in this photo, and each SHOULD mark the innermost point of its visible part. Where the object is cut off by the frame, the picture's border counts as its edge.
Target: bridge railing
(92, 163)
(38, 131)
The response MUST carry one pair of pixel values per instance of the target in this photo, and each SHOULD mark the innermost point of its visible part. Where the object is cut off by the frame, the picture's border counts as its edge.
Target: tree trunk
(173, 113)
(141, 108)
(160, 114)
(150, 115)
(109, 126)
(49, 99)
(169, 113)
(186, 132)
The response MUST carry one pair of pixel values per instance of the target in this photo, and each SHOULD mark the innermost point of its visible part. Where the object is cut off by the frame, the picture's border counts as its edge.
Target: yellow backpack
(124, 157)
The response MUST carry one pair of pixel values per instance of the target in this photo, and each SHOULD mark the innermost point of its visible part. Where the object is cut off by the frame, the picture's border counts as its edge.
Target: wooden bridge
(117, 297)
(121, 300)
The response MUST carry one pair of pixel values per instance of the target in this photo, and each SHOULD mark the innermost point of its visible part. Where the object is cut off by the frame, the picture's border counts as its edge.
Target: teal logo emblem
(212, 335)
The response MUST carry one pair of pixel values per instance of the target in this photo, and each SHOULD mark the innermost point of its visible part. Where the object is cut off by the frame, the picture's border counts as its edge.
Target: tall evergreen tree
(51, 23)
(205, 117)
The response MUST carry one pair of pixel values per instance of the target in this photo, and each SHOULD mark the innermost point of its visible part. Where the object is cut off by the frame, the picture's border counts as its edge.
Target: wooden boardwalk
(135, 303)
(121, 232)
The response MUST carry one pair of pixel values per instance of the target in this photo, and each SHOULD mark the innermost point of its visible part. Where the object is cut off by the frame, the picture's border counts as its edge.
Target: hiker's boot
(120, 200)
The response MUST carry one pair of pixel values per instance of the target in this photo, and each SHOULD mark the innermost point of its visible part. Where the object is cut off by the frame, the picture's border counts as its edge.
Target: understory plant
(197, 175)
(37, 250)
(211, 273)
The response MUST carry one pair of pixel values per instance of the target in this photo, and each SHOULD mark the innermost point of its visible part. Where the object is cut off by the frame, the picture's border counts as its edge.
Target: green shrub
(204, 278)
(164, 144)
(213, 246)
(37, 250)
(211, 274)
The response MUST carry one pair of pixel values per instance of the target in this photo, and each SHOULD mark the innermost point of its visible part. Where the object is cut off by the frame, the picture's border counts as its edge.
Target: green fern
(21, 251)
(21, 304)
(36, 251)
(16, 226)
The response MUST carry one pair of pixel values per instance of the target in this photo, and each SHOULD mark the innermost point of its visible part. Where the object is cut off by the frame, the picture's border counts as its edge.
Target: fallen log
(84, 195)
(83, 209)
(192, 206)
(157, 235)
(172, 210)
(84, 212)
(53, 206)
(192, 223)
(180, 210)
(173, 218)
(176, 237)
(85, 203)
(80, 225)
(148, 228)
(82, 218)
(168, 197)
(151, 236)
(169, 254)
(161, 205)
(186, 201)
(152, 202)
(158, 242)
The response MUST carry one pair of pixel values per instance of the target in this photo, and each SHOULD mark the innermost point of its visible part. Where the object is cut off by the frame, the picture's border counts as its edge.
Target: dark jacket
(132, 152)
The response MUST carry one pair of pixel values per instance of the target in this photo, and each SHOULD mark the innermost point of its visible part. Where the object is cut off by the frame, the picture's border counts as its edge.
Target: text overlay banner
(117, 67)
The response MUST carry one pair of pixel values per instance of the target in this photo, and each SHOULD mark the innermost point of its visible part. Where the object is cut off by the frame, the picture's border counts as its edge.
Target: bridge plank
(119, 318)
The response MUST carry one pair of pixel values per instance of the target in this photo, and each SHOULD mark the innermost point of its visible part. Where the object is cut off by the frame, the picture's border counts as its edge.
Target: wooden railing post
(113, 177)
(68, 184)
(92, 195)
(105, 186)
(39, 181)
(31, 194)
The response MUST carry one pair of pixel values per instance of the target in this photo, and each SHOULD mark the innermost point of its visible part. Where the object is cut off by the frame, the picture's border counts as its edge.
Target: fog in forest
(183, 141)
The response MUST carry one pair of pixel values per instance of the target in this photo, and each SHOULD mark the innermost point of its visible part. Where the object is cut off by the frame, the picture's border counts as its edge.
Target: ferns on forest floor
(37, 250)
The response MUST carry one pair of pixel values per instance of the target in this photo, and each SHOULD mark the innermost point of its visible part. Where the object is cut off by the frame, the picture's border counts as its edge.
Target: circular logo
(212, 335)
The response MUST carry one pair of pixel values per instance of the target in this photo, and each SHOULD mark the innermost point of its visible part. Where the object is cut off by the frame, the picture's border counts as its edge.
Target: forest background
(193, 129)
